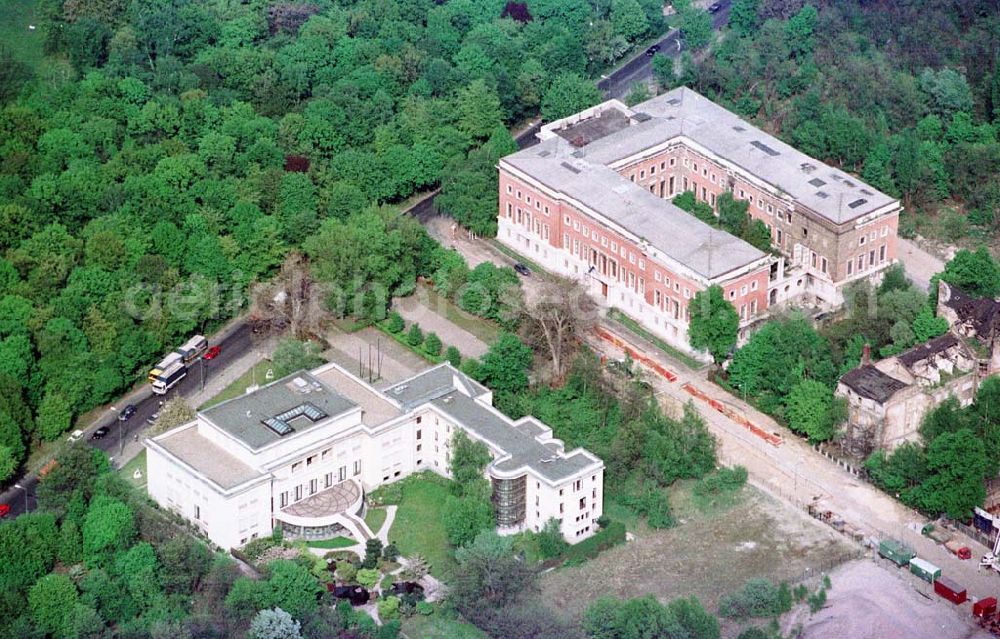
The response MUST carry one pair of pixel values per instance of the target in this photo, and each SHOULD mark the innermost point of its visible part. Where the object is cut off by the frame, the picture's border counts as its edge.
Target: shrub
(550, 540)
(373, 550)
(346, 572)
(453, 356)
(367, 577)
(759, 597)
(425, 608)
(278, 534)
(394, 323)
(471, 367)
(603, 521)
(390, 552)
(608, 537)
(721, 481)
(432, 344)
(388, 608)
(415, 336)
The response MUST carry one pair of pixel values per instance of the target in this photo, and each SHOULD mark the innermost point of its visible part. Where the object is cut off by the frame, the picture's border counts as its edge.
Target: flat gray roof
(708, 251)
(375, 409)
(242, 417)
(431, 384)
(524, 449)
(209, 459)
(830, 192)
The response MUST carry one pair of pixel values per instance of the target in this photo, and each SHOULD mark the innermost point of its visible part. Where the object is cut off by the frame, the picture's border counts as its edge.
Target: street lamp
(25, 489)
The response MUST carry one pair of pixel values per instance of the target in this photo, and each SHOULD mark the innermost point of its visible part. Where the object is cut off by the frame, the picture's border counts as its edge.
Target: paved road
(920, 265)
(235, 343)
(640, 68)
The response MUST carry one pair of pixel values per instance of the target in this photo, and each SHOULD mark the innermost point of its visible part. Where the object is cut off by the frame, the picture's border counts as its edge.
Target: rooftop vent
(849, 184)
(642, 117)
(765, 148)
(447, 400)
(739, 129)
(866, 192)
(570, 167)
(856, 203)
(817, 182)
(578, 153)
(301, 385)
(399, 389)
(807, 167)
(822, 194)
(674, 101)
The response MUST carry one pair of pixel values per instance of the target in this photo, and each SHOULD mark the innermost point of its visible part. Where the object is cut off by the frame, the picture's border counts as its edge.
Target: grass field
(238, 387)
(712, 551)
(26, 45)
(333, 544)
(419, 524)
(483, 329)
(375, 517)
(128, 470)
(437, 626)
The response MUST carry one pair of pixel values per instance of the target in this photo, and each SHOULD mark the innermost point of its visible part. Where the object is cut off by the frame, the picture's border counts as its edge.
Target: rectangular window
(342, 473)
(419, 432)
(357, 467)
(283, 500)
(298, 492)
(673, 161)
(850, 266)
(197, 511)
(861, 240)
(823, 264)
(328, 480)
(642, 174)
(657, 276)
(871, 257)
(652, 170)
(313, 485)
(861, 262)
(881, 253)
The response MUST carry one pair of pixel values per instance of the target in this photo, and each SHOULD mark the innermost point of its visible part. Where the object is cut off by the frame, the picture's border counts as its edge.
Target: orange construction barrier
(656, 367)
(771, 438)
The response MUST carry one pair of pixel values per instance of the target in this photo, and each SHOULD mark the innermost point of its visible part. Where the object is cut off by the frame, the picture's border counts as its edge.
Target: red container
(985, 607)
(950, 590)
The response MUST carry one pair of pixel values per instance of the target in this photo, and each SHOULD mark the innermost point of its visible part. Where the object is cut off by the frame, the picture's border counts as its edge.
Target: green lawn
(26, 45)
(629, 323)
(375, 517)
(419, 524)
(138, 463)
(238, 387)
(437, 626)
(331, 544)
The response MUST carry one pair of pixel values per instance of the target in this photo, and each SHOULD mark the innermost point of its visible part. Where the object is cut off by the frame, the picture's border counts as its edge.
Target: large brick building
(592, 201)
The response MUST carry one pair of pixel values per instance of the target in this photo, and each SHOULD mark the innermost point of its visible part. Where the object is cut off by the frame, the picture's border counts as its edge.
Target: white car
(76, 436)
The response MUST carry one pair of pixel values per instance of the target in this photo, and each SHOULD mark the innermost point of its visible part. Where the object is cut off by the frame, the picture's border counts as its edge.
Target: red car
(4, 510)
(213, 352)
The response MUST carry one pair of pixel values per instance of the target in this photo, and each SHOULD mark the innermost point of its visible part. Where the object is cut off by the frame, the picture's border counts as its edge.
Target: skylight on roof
(817, 182)
(867, 192)
(849, 184)
(674, 101)
(569, 167)
(739, 128)
(822, 194)
(856, 203)
(279, 427)
(642, 117)
(280, 423)
(765, 148)
(544, 153)
(807, 167)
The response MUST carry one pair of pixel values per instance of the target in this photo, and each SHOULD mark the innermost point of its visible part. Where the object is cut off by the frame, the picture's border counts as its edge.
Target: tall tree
(714, 323)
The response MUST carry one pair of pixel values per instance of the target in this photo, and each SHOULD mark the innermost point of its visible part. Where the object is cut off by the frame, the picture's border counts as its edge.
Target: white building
(301, 452)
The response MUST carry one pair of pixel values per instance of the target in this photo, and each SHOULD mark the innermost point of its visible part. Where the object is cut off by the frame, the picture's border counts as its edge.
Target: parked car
(212, 352)
(4, 510)
(651, 51)
(101, 433)
(522, 269)
(152, 418)
(715, 7)
(76, 436)
(126, 413)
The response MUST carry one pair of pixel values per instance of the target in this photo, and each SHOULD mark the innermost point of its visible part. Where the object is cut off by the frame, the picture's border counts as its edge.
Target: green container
(896, 552)
(924, 569)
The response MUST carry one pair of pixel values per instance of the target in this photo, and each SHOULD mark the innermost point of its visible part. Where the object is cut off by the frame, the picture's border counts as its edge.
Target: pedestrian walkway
(417, 308)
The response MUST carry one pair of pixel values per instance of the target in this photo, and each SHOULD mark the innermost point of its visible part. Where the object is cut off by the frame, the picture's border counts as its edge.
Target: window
(732, 294)
(642, 264)
(871, 257)
(850, 267)
(519, 195)
(770, 209)
(527, 199)
(861, 262)
(657, 276)
(419, 432)
(652, 170)
(694, 167)
(753, 285)
(861, 240)
(753, 306)
(296, 467)
(823, 264)
(632, 177)
(673, 161)
(779, 237)
(583, 503)
(881, 253)
(885, 231)
(604, 240)
(642, 174)
(197, 511)
(631, 258)
(298, 492)
(342, 473)
(509, 189)
(357, 467)
(712, 178)
(687, 293)
(313, 485)
(805, 232)
(760, 204)
(743, 290)
(788, 217)
(328, 480)
(310, 460)
(576, 225)
(283, 500)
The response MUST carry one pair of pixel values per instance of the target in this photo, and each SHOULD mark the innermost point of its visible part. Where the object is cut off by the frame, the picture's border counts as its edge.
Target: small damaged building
(887, 400)
(977, 320)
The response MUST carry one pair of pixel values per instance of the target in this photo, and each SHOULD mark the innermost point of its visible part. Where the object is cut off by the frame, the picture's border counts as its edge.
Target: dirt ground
(709, 554)
(352, 351)
(869, 601)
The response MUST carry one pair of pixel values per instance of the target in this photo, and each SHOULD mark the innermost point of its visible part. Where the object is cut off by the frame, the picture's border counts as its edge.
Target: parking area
(373, 356)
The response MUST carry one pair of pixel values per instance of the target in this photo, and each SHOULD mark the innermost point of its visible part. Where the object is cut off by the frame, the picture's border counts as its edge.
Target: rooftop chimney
(866, 354)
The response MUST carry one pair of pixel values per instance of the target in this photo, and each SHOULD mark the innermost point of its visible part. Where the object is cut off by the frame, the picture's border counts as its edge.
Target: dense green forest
(168, 153)
(904, 93)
